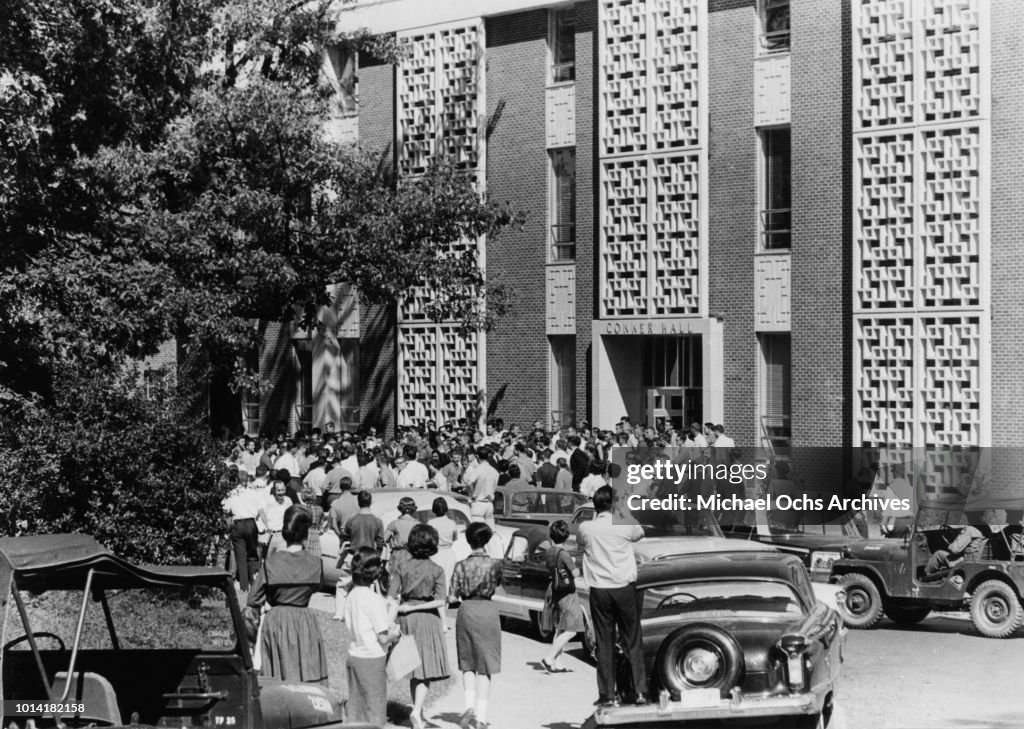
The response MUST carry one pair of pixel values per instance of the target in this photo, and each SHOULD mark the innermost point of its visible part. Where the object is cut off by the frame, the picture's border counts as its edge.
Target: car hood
(810, 542)
(877, 550)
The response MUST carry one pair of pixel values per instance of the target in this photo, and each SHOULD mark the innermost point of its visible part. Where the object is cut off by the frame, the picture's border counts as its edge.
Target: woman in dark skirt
(396, 536)
(478, 626)
(567, 611)
(291, 647)
(419, 585)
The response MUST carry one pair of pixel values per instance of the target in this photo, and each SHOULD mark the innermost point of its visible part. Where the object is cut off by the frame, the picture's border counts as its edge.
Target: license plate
(699, 698)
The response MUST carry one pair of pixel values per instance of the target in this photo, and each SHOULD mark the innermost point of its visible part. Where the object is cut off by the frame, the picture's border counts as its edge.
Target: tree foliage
(104, 460)
(165, 172)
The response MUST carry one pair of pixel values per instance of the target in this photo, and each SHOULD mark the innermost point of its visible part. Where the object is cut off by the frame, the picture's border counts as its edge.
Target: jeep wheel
(863, 606)
(995, 609)
(906, 614)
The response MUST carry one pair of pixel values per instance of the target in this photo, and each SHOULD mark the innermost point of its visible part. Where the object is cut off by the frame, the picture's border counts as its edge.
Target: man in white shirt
(316, 477)
(287, 460)
(243, 506)
(272, 516)
(483, 486)
(696, 442)
(560, 451)
(351, 462)
(609, 569)
(593, 480)
(413, 474)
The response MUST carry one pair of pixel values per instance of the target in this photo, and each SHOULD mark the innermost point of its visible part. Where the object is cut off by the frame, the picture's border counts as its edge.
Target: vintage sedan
(90, 639)
(529, 505)
(732, 636)
(385, 506)
(525, 576)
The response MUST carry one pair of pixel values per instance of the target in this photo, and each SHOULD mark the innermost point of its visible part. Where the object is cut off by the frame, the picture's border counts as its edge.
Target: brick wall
(278, 367)
(586, 202)
(732, 224)
(821, 243)
(377, 106)
(1007, 216)
(517, 173)
(1007, 221)
(378, 344)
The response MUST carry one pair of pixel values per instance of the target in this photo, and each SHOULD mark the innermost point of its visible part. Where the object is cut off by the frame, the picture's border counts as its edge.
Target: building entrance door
(672, 380)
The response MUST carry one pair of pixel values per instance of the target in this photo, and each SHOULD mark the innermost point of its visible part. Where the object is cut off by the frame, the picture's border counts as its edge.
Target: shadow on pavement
(943, 625)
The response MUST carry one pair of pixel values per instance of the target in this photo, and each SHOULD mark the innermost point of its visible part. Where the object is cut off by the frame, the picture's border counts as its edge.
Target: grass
(169, 619)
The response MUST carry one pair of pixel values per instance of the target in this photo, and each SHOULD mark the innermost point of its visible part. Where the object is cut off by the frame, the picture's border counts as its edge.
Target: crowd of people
(288, 490)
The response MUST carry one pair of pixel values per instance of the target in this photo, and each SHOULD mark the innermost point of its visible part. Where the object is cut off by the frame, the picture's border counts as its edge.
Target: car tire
(668, 665)
(863, 606)
(996, 610)
(546, 636)
(906, 614)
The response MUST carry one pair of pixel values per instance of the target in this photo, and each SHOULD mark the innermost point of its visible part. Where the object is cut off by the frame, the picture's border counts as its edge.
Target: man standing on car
(609, 568)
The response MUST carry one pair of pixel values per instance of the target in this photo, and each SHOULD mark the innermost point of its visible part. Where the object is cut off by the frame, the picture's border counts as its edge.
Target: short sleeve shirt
(366, 615)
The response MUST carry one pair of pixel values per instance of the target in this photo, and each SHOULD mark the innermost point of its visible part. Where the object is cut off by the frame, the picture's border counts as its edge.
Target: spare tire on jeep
(699, 656)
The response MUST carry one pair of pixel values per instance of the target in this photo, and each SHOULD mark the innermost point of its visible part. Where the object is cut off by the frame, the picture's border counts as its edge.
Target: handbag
(562, 582)
(404, 658)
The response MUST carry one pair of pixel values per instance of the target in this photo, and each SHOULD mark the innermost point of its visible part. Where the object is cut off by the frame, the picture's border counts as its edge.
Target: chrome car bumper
(737, 707)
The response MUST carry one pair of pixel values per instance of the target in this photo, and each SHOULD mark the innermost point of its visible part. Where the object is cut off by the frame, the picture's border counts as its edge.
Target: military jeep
(89, 639)
(891, 576)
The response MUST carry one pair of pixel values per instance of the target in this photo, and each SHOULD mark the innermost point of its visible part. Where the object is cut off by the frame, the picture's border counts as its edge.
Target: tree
(166, 174)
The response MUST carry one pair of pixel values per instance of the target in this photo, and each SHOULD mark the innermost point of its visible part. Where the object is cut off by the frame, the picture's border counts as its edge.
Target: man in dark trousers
(579, 461)
(609, 568)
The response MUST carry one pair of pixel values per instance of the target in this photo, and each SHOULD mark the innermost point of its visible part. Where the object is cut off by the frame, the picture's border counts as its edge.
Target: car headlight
(822, 561)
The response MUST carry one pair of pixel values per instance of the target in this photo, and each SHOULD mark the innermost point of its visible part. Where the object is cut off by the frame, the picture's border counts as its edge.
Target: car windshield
(167, 618)
(820, 523)
(535, 502)
(758, 596)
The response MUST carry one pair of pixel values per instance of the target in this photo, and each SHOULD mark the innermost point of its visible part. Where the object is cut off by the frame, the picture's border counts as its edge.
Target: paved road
(938, 675)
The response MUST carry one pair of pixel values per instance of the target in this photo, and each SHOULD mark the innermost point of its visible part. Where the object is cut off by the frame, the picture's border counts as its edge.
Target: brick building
(794, 217)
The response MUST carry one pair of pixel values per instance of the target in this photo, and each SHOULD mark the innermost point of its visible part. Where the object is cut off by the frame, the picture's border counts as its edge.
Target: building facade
(798, 218)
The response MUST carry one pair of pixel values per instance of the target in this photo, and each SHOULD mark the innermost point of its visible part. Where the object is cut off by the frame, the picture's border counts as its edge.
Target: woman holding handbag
(371, 619)
(419, 585)
(567, 613)
(478, 626)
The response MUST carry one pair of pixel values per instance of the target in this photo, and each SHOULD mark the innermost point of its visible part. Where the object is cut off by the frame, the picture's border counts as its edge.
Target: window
(340, 69)
(251, 397)
(562, 42)
(775, 390)
(155, 383)
(563, 380)
(304, 385)
(563, 204)
(774, 25)
(776, 193)
(732, 595)
(672, 362)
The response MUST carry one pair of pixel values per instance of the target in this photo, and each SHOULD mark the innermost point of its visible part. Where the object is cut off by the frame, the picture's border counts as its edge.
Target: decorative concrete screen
(921, 309)
(652, 145)
(440, 102)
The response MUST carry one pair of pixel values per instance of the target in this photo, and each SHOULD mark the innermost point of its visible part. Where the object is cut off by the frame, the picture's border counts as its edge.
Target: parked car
(733, 635)
(188, 665)
(817, 537)
(385, 506)
(889, 576)
(525, 576)
(522, 506)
